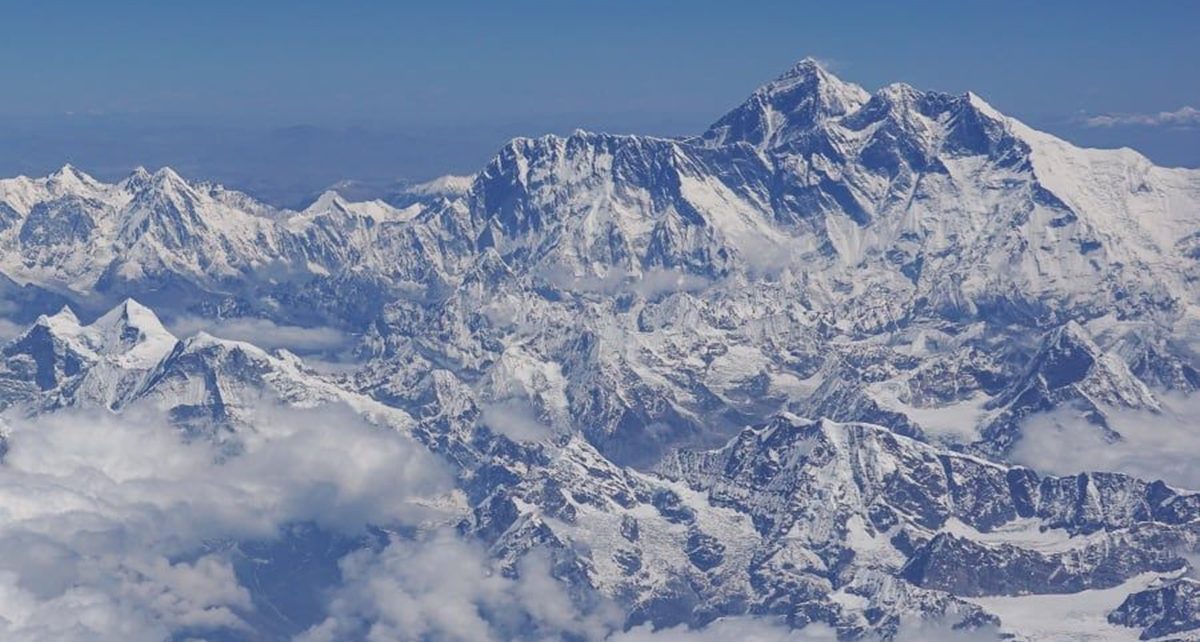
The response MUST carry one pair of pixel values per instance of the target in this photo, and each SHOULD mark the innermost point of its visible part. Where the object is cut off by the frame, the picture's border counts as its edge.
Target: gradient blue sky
(500, 68)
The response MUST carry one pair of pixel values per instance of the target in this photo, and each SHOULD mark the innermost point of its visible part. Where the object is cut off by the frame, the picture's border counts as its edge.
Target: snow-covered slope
(773, 368)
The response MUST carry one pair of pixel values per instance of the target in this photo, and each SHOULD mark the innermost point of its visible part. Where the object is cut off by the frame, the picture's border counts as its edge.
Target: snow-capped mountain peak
(787, 107)
(329, 201)
(984, 106)
(70, 178)
(136, 181)
(166, 176)
(332, 203)
(133, 331)
(63, 320)
(129, 333)
(450, 185)
(865, 296)
(61, 362)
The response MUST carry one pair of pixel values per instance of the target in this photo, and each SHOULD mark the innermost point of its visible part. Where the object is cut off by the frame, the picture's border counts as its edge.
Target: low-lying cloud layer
(445, 588)
(104, 518)
(112, 528)
(264, 333)
(1152, 446)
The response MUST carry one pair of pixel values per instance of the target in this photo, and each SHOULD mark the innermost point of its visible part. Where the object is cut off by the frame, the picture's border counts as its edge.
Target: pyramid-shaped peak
(132, 313)
(811, 77)
(137, 180)
(1066, 356)
(329, 199)
(67, 170)
(787, 107)
(65, 314)
(163, 183)
(132, 330)
(806, 67)
(70, 177)
(167, 175)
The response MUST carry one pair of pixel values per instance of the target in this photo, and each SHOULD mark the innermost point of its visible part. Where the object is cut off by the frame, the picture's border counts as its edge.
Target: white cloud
(939, 631)
(829, 64)
(763, 629)
(1152, 446)
(445, 588)
(104, 517)
(104, 521)
(10, 330)
(654, 283)
(263, 333)
(1182, 117)
(746, 629)
(140, 598)
(516, 419)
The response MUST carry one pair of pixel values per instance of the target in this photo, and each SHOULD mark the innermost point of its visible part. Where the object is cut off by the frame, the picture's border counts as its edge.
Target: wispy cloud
(1183, 117)
(263, 333)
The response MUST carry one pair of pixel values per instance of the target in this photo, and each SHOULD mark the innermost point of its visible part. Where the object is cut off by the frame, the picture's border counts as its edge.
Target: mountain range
(787, 367)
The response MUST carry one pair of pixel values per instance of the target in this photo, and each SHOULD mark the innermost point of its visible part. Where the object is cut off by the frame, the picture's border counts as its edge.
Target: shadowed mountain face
(779, 368)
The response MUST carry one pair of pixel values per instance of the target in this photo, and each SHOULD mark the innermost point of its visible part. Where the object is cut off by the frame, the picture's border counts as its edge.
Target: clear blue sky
(662, 67)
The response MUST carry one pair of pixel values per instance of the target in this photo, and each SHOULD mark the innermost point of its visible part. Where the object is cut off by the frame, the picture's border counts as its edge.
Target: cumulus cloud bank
(104, 518)
(445, 588)
(110, 525)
